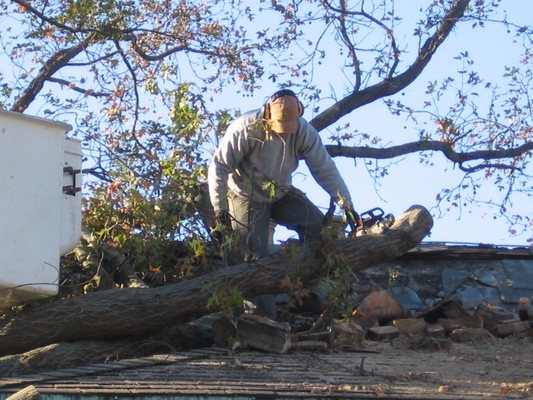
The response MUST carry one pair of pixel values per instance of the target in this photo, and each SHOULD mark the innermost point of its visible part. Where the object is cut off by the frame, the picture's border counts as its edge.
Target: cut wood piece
(492, 315)
(323, 322)
(346, 335)
(447, 308)
(451, 324)
(28, 393)
(470, 334)
(130, 312)
(525, 310)
(224, 331)
(410, 326)
(260, 333)
(310, 345)
(435, 331)
(381, 306)
(313, 336)
(503, 330)
(386, 332)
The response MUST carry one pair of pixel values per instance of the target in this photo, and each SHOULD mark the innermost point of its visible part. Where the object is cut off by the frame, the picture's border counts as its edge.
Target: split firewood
(261, 333)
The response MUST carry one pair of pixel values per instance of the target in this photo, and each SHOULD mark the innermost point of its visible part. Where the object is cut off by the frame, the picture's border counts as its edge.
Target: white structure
(40, 204)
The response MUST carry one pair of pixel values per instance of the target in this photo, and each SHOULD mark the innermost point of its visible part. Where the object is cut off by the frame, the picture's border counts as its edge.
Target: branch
(389, 31)
(391, 86)
(50, 67)
(97, 174)
(346, 39)
(86, 92)
(27, 6)
(432, 145)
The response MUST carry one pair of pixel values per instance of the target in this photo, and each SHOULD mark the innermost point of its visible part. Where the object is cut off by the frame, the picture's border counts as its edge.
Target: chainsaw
(371, 221)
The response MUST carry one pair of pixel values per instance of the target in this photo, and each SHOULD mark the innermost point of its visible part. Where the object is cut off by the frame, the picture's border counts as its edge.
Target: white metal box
(71, 188)
(38, 221)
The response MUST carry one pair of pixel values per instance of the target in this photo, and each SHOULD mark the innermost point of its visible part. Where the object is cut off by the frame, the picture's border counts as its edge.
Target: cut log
(65, 355)
(346, 335)
(28, 393)
(126, 312)
(260, 333)
(310, 345)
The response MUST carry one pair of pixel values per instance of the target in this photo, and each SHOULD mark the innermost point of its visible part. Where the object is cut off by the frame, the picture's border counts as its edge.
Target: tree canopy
(141, 82)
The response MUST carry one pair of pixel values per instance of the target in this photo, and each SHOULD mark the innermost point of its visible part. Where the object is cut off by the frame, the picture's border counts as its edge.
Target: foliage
(341, 278)
(225, 297)
(147, 206)
(145, 86)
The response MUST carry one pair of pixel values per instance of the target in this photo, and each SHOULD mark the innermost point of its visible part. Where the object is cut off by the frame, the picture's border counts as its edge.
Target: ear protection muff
(277, 95)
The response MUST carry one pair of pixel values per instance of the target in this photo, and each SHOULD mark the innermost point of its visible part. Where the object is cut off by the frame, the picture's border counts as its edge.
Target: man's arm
(225, 160)
(323, 167)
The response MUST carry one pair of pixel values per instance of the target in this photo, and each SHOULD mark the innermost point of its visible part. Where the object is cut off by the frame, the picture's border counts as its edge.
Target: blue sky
(411, 182)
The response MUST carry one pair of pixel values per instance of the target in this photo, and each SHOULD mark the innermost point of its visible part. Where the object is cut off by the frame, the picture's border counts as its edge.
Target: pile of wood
(379, 318)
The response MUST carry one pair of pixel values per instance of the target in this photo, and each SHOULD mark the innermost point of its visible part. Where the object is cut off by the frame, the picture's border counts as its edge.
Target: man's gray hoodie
(256, 163)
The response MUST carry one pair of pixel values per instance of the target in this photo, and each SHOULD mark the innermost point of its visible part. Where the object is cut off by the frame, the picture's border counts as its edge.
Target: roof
(429, 272)
(217, 373)
(470, 273)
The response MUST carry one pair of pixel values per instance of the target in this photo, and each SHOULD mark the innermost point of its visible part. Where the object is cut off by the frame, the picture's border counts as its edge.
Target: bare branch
(444, 148)
(389, 31)
(136, 91)
(86, 92)
(50, 67)
(346, 39)
(391, 86)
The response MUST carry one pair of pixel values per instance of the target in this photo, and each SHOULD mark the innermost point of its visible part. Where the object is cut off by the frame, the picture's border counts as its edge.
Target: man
(249, 176)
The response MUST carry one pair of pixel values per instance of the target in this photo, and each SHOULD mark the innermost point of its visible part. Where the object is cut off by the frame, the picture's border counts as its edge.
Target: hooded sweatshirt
(257, 164)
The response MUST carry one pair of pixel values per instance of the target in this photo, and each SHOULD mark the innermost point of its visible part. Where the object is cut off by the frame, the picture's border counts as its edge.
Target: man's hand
(353, 219)
(222, 226)
(224, 218)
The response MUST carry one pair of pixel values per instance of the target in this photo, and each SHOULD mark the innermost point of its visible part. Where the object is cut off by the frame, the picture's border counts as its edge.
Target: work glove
(353, 219)
(222, 226)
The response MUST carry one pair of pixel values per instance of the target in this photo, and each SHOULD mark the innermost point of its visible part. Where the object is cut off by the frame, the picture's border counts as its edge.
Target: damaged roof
(472, 274)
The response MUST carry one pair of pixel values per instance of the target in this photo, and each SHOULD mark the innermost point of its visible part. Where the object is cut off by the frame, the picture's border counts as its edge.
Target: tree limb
(50, 67)
(391, 86)
(126, 312)
(86, 92)
(42, 16)
(429, 145)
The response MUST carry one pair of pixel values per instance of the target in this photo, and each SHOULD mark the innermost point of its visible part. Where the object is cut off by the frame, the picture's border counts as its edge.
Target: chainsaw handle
(354, 220)
(374, 213)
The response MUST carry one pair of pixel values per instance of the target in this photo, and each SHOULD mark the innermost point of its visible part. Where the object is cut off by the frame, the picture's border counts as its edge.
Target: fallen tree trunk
(117, 313)
(194, 334)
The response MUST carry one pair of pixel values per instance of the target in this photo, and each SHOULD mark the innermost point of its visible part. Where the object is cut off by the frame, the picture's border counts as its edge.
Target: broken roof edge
(468, 250)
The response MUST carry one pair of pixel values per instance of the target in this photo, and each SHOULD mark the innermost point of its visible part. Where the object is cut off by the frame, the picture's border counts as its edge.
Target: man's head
(282, 111)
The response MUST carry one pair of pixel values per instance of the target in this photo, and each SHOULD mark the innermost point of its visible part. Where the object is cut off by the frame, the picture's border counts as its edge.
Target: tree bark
(28, 393)
(195, 334)
(126, 312)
